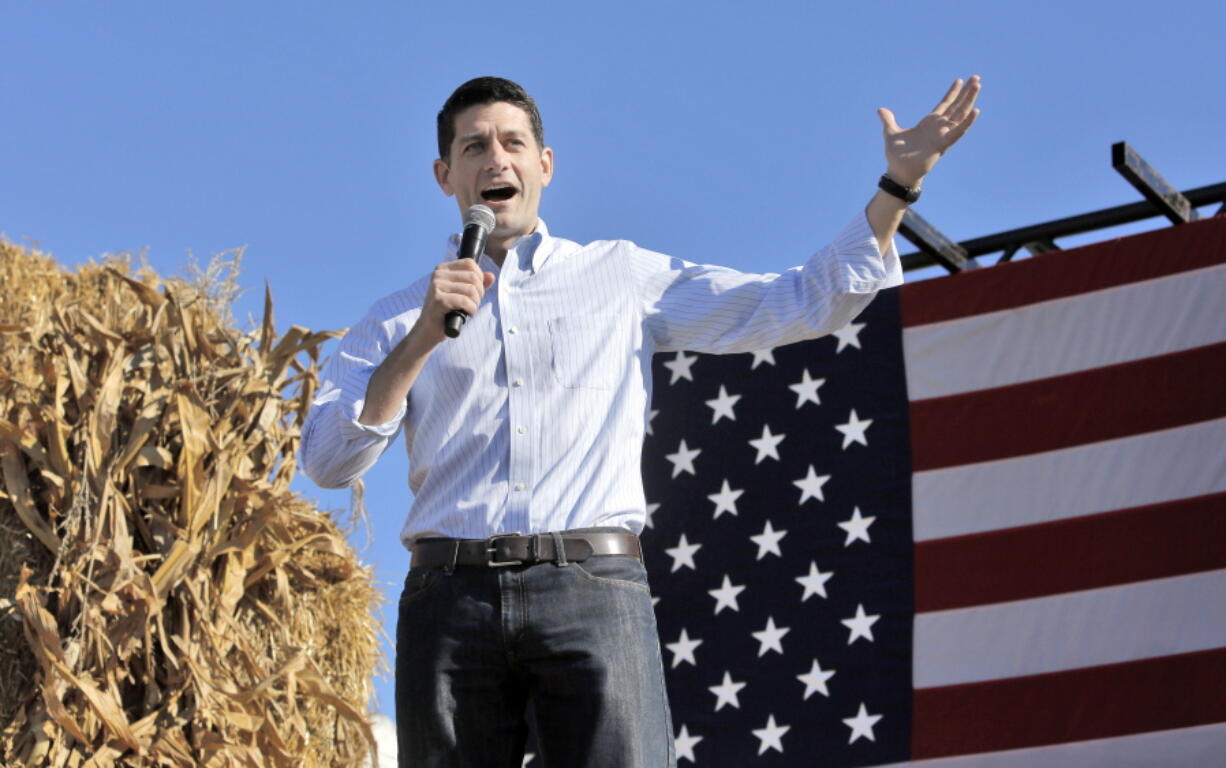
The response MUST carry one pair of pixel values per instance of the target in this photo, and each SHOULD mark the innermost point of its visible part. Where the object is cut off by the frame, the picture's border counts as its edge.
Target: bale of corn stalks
(165, 599)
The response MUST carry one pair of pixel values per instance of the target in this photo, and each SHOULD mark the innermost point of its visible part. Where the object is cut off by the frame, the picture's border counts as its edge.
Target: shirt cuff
(867, 268)
(351, 427)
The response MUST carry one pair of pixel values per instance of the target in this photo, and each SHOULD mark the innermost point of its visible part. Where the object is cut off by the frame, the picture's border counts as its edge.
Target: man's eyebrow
(471, 136)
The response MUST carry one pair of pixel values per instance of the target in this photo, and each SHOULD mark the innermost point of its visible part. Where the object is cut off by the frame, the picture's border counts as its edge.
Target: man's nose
(497, 159)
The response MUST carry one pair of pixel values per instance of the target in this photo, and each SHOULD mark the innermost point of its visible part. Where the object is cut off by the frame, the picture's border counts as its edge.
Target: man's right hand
(457, 284)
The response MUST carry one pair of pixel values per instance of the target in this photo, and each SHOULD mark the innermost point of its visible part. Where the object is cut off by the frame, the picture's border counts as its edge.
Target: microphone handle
(472, 243)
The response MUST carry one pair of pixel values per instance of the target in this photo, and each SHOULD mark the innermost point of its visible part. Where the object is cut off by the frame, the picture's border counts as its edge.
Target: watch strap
(891, 187)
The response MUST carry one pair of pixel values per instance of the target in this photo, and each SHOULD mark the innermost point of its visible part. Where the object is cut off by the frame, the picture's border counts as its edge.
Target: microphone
(478, 224)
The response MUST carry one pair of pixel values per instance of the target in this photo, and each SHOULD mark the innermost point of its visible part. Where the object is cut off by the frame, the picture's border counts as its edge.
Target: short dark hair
(485, 90)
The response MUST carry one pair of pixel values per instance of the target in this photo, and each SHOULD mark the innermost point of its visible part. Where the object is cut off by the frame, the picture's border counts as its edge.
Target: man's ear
(546, 166)
(441, 174)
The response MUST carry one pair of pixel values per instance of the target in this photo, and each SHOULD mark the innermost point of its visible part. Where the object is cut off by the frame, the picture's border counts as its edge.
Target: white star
(726, 692)
(680, 366)
(725, 596)
(815, 582)
(684, 744)
(848, 335)
(857, 527)
(767, 445)
(815, 680)
(725, 500)
(683, 649)
(651, 510)
(860, 625)
(762, 356)
(683, 554)
(768, 541)
(650, 418)
(770, 639)
(806, 389)
(853, 430)
(722, 405)
(683, 459)
(771, 736)
(811, 486)
(862, 724)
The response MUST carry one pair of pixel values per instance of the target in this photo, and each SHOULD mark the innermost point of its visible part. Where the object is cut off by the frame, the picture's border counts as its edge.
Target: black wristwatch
(891, 187)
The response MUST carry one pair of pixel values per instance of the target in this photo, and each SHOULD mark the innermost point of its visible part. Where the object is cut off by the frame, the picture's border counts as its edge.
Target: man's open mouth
(497, 194)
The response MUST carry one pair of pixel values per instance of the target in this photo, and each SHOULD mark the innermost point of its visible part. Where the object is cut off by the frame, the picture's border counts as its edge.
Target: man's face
(495, 161)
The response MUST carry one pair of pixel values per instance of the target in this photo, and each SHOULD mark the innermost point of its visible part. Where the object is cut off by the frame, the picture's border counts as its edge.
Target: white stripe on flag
(1195, 747)
(1161, 617)
(1087, 330)
(1071, 482)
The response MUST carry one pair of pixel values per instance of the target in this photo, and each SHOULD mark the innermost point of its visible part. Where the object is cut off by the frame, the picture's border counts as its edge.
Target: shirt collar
(538, 247)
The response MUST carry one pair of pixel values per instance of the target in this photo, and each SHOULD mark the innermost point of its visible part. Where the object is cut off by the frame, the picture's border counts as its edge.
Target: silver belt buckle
(490, 549)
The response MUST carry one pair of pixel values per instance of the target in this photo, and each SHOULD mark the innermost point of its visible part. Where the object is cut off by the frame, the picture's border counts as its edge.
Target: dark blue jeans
(475, 645)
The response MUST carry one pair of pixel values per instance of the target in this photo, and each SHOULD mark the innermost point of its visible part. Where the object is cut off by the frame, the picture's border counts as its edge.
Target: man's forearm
(884, 214)
(389, 385)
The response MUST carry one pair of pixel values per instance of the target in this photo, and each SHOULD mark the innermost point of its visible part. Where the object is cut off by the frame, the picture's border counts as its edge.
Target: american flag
(986, 519)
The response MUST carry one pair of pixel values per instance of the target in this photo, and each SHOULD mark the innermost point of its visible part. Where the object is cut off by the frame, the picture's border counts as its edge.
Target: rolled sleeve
(337, 449)
(713, 309)
(866, 268)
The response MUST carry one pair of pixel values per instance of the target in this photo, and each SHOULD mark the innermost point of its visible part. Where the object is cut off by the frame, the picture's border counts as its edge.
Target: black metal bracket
(1169, 201)
(1010, 241)
(934, 243)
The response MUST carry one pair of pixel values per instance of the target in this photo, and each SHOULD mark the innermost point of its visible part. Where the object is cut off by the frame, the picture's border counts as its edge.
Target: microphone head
(482, 216)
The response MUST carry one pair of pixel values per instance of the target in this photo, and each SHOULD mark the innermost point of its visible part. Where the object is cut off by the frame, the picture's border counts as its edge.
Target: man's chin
(510, 228)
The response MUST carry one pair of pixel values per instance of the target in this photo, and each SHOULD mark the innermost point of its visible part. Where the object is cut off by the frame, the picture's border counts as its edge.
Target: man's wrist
(904, 192)
(907, 179)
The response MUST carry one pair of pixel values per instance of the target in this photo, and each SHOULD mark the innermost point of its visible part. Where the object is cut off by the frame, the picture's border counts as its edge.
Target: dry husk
(165, 599)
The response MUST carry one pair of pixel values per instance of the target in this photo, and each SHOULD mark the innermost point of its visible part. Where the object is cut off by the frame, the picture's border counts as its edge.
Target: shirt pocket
(587, 351)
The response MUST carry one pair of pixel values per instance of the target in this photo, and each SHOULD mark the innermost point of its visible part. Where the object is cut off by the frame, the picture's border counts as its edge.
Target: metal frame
(1160, 199)
(1157, 190)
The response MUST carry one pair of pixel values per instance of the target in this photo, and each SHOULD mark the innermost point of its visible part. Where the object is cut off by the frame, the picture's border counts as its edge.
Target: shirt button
(513, 329)
(519, 486)
(521, 429)
(518, 383)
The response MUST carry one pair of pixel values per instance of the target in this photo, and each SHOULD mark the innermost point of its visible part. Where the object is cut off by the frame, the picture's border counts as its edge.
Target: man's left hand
(910, 153)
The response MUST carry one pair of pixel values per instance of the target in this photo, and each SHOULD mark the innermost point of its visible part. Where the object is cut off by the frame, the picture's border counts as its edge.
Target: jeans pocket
(614, 570)
(419, 582)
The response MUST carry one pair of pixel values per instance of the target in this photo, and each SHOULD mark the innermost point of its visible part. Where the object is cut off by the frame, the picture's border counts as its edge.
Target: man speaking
(524, 424)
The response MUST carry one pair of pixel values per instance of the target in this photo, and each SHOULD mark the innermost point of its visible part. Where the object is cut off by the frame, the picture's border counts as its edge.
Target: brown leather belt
(505, 549)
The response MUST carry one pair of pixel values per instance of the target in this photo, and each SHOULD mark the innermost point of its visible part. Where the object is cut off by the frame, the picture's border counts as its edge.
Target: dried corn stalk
(165, 599)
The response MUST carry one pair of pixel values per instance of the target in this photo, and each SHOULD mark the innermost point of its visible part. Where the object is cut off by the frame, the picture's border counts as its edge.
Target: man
(524, 437)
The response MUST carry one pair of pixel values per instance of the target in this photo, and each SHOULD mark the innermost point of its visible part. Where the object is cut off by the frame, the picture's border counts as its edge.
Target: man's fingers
(459, 285)
(948, 98)
(961, 128)
(465, 301)
(961, 107)
(887, 121)
(471, 289)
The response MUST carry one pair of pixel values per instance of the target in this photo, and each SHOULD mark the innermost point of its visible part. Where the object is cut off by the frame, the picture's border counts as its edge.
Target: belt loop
(559, 549)
(449, 568)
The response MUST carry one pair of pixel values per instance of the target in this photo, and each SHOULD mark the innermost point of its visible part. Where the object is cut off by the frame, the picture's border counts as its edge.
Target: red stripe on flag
(1066, 273)
(1062, 411)
(1090, 703)
(1101, 550)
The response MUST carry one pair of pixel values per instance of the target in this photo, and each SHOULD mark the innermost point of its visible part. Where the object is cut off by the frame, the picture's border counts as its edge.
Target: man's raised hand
(912, 152)
(454, 285)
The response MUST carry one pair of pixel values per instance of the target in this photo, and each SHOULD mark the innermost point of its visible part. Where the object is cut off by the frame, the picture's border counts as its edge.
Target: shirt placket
(520, 412)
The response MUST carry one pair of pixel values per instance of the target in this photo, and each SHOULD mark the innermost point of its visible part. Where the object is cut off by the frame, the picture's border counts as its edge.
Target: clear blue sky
(734, 133)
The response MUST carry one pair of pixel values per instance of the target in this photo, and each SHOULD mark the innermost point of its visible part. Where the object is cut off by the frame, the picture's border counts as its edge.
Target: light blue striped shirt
(533, 419)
